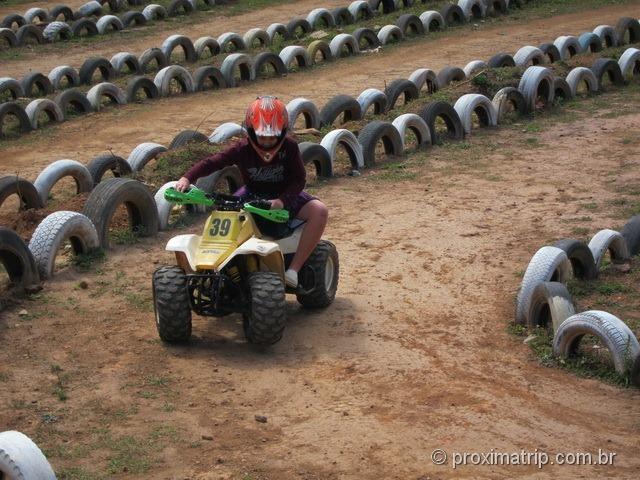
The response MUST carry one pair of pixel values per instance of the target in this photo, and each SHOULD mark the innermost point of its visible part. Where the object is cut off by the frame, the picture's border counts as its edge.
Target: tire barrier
(20, 458)
(18, 262)
(543, 300)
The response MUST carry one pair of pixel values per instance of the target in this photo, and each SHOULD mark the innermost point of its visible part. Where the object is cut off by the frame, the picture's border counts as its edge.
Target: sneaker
(291, 278)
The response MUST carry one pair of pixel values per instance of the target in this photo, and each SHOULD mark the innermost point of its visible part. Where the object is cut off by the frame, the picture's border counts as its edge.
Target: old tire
(143, 154)
(264, 323)
(631, 234)
(318, 155)
(59, 169)
(18, 261)
(137, 83)
(73, 97)
(109, 194)
(547, 264)
(613, 332)
(21, 459)
(550, 305)
(171, 304)
(51, 233)
(372, 133)
(340, 105)
(16, 110)
(398, 87)
(14, 185)
(580, 256)
(89, 67)
(471, 103)
(187, 136)
(611, 241)
(509, 97)
(106, 162)
(432, 111)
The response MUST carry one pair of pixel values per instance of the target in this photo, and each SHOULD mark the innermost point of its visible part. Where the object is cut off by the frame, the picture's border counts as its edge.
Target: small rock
(261, 418)
(83, 284)
(207, 437)
(354, 173)
(622, 267)
(529, 339)
(23, 313)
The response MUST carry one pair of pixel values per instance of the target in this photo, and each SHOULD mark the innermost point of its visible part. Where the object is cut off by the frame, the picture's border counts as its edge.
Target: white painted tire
(318, 14)
(123, 59)
(54, 29)
(21, 459)
(532, 80)
(257, 34)
(473, 66)
(163, 79)
(467, 7)
(295, 53)
(107, 21)
(373, 96)
(547, 264)
(39, 105)
(236, 61)
(60, 169)
(226, 131)
(302, 106)
(39, 13)
(52, 232)
(231, 38)
(154, 12)
(613, 332)
(567, 44)
(608, 240)
(629, 63)
(206, 43)
(389, 32)
(358, 7)
(115, 93)
(57, 74)
(143, 154)
(277, 29)
(425, 76)
(430, 18)
(607, 32)
(415, 123)
(529, 55)
(90, 8)
(163, 205)
(472, 103)
(582, 74)
(346, 138)
(340, 41)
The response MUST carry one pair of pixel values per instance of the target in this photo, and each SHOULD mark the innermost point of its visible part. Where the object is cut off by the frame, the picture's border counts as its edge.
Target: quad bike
(237, 266)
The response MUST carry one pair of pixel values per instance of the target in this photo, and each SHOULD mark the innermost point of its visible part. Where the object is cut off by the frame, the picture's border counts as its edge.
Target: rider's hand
(183, 184)
(276, 204)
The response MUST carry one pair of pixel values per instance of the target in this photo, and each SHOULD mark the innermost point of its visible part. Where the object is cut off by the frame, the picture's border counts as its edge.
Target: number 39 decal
(220, 227)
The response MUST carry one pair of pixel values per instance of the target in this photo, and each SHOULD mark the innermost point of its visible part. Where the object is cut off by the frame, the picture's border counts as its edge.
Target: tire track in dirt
(121, 129)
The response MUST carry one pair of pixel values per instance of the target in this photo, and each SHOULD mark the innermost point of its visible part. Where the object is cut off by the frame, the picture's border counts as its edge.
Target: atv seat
(277, 231)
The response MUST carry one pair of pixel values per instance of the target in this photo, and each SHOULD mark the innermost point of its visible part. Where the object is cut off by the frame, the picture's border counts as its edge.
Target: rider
(271, 165)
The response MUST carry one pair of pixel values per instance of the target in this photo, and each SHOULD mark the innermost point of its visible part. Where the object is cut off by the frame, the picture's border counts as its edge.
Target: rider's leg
(315, 213)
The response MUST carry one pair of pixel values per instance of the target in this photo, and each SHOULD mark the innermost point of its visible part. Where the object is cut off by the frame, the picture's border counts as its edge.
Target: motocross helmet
(267, 117)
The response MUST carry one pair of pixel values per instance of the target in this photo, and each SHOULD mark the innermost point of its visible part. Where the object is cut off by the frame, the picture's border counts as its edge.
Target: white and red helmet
(266, 117)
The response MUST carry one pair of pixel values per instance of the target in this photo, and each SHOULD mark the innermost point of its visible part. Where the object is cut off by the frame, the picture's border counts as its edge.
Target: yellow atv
(237, 266)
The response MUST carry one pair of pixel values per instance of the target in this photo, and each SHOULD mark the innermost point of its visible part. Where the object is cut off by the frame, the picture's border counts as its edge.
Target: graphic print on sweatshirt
(272, 173)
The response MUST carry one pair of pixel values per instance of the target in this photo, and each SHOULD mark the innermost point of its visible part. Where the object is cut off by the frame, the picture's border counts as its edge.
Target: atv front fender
(186, 244)
(269, 251)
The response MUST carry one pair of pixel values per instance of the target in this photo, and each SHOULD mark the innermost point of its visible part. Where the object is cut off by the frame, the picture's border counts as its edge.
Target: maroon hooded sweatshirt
(283, 177)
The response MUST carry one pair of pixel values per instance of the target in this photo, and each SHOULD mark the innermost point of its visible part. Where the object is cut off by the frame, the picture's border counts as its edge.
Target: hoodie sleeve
(215, 162)
(295, 175)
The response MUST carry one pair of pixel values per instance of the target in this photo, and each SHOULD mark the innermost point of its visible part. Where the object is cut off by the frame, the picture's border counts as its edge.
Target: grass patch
(60, 386)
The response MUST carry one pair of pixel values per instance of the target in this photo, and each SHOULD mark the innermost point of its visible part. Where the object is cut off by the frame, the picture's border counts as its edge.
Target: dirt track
(413, 355)
(121, 129)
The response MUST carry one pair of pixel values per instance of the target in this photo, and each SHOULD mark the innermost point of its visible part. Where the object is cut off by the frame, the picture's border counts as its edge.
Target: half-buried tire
(372, 133)
(430, 114)
(18, 261)
(109, 195)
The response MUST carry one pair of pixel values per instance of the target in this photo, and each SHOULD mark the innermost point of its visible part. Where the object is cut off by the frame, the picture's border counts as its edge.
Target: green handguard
(195, 196)
(279, 215)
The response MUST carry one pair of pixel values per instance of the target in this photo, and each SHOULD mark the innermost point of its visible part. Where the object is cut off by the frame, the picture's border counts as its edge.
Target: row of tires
(350, 43)
(82, 23)
(543, 300)
(458, 119)
(210, 77)
(153, 213)
(27, 32)
(93, 8)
